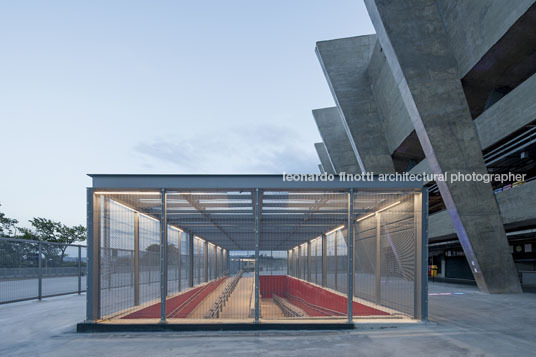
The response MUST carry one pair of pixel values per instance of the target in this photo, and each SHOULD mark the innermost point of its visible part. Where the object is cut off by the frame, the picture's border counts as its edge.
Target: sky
(153, 87)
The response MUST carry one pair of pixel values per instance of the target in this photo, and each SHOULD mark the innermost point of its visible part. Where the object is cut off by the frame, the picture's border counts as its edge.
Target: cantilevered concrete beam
(332, 131)
(345, 62)
(323, 155)
(417, 49)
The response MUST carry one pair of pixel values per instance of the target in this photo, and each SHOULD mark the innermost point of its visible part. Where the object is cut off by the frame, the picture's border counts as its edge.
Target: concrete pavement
(463, 322)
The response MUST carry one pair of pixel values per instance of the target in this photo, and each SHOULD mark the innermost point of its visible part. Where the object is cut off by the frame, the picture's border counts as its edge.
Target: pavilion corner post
(93, 255)
(350, 252)
(257, 243)
(136, 258)
(40, 273)
(421, 254)
(163, 257)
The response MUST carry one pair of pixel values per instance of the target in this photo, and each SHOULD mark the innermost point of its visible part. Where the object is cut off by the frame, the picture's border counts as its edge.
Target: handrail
(217, 306)
(181, 307)
(324, 310)
(287, 309)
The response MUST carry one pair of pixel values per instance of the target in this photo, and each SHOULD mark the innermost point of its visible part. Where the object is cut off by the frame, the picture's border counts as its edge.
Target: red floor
(313, 299)
(178, 306)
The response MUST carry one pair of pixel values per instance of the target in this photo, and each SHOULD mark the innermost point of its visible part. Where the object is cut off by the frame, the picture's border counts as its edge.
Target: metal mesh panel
(149, 261)
(342, 261)
(173, 257)
(210, 260)
(331, 259)
(117, 257)
(398, 257)
(184, 261)
(386, 247)
(316, 261)
(294, 221)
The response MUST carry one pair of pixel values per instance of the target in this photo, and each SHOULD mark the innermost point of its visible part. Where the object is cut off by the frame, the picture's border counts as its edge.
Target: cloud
(243, 149)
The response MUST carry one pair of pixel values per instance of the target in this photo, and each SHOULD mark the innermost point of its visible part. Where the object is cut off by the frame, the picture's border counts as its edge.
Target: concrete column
(345, 62)
(330, 126)
(325, 160)
(417, 49)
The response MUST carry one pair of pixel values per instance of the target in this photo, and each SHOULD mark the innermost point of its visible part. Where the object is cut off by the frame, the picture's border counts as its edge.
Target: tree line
(42, 229)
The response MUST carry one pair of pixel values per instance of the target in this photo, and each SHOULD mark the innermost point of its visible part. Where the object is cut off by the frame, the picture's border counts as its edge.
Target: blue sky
(157, 87)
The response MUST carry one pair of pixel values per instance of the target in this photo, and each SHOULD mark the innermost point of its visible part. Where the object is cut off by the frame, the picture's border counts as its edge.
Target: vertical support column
(324, 260)
(136, 258)
(93, 211)
(179, 273)
(355, 256)
(40, 273)
(308, 277)
(205, 260)
(350, 252)
(257, 241)
(190, 260)
(335, 237)
(378, 267)
(79, 270)
(163, 257)
(420, 209)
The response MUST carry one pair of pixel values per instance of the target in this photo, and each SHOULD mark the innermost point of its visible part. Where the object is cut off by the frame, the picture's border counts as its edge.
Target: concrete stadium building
(445, 86)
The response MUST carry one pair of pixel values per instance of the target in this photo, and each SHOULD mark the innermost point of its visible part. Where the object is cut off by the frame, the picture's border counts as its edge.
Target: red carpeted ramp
(311, 298)
(178, 306)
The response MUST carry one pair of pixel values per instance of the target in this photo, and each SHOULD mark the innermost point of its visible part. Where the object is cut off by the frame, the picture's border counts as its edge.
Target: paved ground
(467, 324)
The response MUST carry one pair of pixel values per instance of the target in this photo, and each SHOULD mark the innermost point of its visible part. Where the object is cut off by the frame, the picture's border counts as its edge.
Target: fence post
(350, 252)
(40, 274)
(79, 270)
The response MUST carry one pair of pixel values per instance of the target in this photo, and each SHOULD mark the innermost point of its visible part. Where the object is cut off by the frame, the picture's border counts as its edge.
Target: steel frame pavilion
(255, 185)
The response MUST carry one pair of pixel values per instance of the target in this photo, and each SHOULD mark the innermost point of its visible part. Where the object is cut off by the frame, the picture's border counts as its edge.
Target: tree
(7, 225)
(56, 232)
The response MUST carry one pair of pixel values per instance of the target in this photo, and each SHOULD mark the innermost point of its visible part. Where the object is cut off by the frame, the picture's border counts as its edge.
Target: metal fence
(36, 269)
